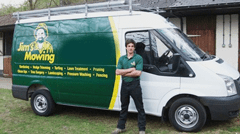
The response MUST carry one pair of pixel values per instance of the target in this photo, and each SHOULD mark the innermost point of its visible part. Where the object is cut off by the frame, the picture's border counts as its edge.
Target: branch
(55, 2)
(30, 4)
(50, 3)
(35, 4)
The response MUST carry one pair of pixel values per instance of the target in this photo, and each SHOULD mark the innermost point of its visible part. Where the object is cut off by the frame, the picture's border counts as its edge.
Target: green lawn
(17, 117)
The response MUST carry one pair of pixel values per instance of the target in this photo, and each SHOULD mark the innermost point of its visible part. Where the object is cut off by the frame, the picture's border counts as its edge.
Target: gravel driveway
(5, 83)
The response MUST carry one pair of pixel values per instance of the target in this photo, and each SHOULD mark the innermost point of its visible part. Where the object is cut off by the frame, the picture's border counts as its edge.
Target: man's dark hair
(128, 41)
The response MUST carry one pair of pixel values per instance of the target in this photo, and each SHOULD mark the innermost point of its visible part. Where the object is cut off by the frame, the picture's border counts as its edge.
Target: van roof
(137, 19)
(80, 15)
(77, 9)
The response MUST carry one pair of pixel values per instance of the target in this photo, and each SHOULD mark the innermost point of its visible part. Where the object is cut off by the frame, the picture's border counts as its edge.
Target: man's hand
(131, 72)
(134, 73)
(132, 69)
(124, 71)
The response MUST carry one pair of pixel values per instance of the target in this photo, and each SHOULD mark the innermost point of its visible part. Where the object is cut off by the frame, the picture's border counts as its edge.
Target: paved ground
(5, 83)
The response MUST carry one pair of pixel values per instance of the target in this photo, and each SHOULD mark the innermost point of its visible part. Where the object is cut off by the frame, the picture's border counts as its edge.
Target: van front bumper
(222, 108)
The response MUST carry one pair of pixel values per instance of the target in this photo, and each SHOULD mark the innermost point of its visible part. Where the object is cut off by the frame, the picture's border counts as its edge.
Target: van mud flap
(20, 92)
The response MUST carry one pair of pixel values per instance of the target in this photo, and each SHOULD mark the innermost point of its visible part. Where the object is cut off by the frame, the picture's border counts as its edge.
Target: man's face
(130, 48)
(40, 35)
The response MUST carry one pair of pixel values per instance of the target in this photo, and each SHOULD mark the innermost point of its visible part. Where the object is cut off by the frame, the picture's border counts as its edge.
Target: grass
(17, 117)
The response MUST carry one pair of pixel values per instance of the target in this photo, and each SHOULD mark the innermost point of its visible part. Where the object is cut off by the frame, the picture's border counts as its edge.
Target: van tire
(187, 114)
(42, 103)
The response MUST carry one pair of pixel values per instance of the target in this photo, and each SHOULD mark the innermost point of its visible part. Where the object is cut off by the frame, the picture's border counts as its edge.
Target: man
(130, 68)
(41, 34)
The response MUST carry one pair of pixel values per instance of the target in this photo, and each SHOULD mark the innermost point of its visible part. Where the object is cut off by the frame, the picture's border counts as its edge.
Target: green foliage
(41, 4)
(8, 9)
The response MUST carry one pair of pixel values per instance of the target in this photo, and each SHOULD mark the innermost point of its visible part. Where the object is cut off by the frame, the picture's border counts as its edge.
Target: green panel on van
(74, 59)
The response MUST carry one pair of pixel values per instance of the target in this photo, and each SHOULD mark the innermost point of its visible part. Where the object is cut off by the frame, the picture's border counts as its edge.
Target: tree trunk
(65, 2)
(61, 2)
(30, 4)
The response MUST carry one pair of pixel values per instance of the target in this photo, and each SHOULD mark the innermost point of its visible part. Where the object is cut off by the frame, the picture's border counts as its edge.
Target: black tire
(187, 114)
(42, 103)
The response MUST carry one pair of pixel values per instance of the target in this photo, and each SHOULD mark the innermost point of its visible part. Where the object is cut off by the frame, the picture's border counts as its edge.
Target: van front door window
(161, 53)
(142, 44)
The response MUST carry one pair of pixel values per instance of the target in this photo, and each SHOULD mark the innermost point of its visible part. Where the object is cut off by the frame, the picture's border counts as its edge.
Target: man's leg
(124, 106)
(136, 94)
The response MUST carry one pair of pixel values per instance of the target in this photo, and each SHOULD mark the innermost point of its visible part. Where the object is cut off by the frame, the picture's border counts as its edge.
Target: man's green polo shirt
(124, 63)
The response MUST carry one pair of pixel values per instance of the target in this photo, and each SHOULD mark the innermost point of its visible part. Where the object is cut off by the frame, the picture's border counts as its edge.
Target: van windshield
(185, 45)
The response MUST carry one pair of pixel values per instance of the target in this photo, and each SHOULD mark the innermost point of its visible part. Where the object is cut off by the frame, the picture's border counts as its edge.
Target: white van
(72, 61)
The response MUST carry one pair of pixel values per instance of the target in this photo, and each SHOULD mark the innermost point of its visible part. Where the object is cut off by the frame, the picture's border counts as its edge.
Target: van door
(157, 78)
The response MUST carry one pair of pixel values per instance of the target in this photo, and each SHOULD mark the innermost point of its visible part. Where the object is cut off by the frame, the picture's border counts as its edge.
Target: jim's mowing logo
(44, 48)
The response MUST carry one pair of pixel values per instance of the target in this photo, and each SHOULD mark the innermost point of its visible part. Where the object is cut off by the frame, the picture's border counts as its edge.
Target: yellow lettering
(33, 72)
(81, 69)
(99, 69)
(31, 47)
(55, 73)
(72, 74)
(102, 75)
(41, 57)
(58, 68)
(19, 71)
(45, 67)
(51, 58)
(27, 56)
(34, 56)
(85, 74)
(24, 66)
(36, 67)
(22, 71)
(40, 72)
(23, 47)
(70, 68)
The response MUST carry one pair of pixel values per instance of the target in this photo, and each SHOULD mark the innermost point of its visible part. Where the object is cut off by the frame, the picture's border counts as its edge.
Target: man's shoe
(141, 132)
(118, 130)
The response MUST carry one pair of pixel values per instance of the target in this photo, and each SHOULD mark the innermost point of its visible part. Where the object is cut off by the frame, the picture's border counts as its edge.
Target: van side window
(142, 45)
(157, 53)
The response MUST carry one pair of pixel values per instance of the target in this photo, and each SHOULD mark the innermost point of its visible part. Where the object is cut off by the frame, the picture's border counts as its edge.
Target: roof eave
(202, 10)
(236, 4)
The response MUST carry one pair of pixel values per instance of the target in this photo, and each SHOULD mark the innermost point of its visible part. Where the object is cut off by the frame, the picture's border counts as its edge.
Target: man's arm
(123, 72)
(134, 73)
(138, 70)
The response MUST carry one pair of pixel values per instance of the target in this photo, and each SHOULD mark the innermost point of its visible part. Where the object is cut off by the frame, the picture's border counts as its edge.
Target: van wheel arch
(169, 103)
(35, 87)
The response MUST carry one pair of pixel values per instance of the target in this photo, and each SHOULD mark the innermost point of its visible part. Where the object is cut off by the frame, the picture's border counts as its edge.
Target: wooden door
(205, 28)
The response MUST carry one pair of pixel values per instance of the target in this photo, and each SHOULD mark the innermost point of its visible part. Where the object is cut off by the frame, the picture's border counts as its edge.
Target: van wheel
(42, 103)
(187, 114)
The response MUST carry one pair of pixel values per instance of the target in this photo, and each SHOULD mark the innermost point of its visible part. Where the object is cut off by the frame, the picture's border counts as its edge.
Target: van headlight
(230, 85)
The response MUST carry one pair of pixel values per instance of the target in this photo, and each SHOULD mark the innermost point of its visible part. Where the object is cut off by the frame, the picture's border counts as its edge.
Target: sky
(13, 2)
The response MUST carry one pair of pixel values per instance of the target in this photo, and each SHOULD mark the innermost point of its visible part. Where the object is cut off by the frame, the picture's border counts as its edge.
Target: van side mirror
(175, 62)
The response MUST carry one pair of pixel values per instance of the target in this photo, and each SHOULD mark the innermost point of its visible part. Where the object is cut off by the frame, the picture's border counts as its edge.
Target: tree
(41, 4)
(64, 2)
(32, 4)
